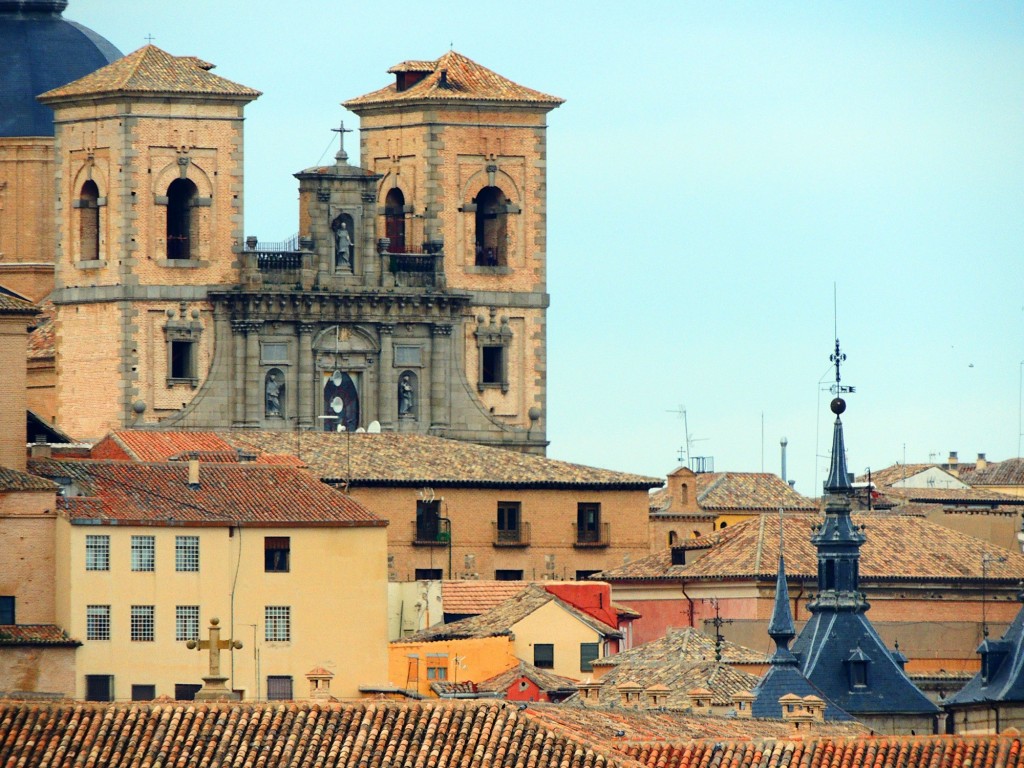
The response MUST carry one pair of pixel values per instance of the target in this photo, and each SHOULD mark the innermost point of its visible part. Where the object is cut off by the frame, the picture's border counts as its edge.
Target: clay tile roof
(679, 648)
(240, 494)
(469, 598)
(19, 635)
(13, 480)
(954, 496)
(151, 70)
(1007, 472)
(156, 445)
(41, 343)
(12, 303)
(394, 459)
(453, 77)
(498, 621)
(545, 680)
(898, 547)
(723, 491)
(883, 478)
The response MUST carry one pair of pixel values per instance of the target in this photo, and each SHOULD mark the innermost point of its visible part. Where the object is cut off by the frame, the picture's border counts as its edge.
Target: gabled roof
(393, 459)
(124, 492)
(899, 547)
(685, 646)
(14, 480)
(466, 597)
(544, 679)
(749, 491)
(12, 303)
(453, 77)
(498, 621)
(152, 71)
(1006, 472)
(883, 478)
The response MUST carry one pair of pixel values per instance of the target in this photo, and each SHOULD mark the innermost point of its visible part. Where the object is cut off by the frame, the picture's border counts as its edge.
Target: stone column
(387, 388)
(440, 359)
(238, 329)
(253, 380)
(305, 385)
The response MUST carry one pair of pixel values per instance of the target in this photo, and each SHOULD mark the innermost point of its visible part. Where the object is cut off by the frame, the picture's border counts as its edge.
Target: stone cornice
(361, 306)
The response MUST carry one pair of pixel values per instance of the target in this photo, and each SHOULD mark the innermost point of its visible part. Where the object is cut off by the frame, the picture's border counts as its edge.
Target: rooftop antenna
(690, 439)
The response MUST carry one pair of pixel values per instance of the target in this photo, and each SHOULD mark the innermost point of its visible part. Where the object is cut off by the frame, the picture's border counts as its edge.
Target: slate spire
(781, 628)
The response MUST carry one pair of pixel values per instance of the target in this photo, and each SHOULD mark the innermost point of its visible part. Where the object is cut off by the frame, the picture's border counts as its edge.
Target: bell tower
(149, 212)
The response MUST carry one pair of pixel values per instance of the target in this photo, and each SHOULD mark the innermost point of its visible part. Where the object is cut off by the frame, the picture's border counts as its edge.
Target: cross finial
(837, 358)
(214, 645)
(341, 130)
(149, 39)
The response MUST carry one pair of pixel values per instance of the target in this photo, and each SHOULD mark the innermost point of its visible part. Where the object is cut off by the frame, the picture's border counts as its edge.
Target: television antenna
(690, 439)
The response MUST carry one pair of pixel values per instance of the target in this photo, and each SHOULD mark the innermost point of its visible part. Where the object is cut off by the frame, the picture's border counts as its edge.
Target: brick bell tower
(460, 157)
(149, 212)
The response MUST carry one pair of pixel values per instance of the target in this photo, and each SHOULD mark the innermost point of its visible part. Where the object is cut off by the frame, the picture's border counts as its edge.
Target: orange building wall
(478, 659)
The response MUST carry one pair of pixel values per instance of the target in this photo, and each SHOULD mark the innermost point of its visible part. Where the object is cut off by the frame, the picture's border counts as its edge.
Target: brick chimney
(629, 694)
(656, 696)
(744, 703)
(953, 464)
(590, 692)
(981, 463)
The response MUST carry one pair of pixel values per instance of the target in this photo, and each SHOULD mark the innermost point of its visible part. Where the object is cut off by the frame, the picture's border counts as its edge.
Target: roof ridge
(760, 544)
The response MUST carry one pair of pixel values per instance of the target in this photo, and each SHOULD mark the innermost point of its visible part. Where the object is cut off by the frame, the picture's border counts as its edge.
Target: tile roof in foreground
(125, 492)
(898, 547)
(22, 635)
(453, 77)
(152, 71)
(498, 621)
(392, 459)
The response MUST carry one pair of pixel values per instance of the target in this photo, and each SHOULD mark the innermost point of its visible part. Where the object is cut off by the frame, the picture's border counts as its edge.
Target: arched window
(89, 222)
(394, 220)
(181, 224)
(491, 230)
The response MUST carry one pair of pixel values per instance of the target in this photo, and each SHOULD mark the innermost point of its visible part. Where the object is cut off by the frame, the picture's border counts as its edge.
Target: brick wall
(27, 541)
(13, 339)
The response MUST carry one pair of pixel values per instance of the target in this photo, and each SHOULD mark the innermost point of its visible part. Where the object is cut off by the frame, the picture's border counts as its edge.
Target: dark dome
(40, 50)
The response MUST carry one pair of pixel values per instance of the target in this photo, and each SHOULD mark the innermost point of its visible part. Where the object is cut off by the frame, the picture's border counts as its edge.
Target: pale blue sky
(716, 167)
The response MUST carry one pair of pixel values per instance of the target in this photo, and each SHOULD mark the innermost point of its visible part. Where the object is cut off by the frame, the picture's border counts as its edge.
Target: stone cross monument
(214, 683)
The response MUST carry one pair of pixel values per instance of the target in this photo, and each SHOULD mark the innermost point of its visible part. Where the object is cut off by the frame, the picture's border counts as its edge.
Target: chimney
(590, 692)
(783, 443)
(744, 702)
(629, 694)
(700, 700)
(193, 473)
(656, 695)
(815, 707)
(980, 463)
(40, 448)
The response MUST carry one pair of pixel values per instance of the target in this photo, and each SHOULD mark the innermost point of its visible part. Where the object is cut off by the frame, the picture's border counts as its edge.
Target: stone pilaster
(238, 331)
(387, 387)
(253, 379)
(305, 385)
(440, 364)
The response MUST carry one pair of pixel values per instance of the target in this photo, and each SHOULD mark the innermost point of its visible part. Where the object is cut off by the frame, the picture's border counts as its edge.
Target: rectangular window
(588, 653)
(186, 622)
(437, 666)
(142, 624)
(428, 520)
(186, 553)
(97, 553)
(97, 622)
(508, 574)
(492, 365)
(588, 523)
(509, 513)
(278, 623)
(182, 364)
(7, 610)
(99, 687)
(186, 691)
(429, 574)
(279, 687)
(143, 553)
(276, 552)
(143, 692)
(544, 655)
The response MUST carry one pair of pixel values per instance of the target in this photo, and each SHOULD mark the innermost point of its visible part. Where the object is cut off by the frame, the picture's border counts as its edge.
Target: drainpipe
(689, 601)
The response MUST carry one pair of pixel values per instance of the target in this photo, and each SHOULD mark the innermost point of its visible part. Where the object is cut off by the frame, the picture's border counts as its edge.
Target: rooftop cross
(341, 130)
(149, 39)
(214, 645)
(837, 358)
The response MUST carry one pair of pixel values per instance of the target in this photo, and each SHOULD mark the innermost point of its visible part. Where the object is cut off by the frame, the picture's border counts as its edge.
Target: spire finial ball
(838, 405)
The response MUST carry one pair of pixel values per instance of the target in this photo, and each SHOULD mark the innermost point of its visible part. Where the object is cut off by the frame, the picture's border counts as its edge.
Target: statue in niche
(343, 245)
(274, 392)
(406, 396)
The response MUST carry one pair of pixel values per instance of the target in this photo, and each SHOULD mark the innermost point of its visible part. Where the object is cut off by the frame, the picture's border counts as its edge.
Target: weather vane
(838, 358)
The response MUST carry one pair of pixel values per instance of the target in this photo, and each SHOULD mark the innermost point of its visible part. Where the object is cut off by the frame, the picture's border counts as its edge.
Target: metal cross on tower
(341, 130)
(718, 622)
(838, 358)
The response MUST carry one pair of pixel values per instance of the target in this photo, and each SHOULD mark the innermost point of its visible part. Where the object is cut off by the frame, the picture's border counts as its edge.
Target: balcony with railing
(591, 537)
(511, 537)
(413, 270)
(284, 263)
(431, 533)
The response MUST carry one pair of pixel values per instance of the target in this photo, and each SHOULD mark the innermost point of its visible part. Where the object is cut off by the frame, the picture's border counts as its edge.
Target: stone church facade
(414, 294)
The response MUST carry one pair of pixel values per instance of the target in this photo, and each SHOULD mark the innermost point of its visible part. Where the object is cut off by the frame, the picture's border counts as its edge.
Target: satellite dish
(374, 427)
(360, 430)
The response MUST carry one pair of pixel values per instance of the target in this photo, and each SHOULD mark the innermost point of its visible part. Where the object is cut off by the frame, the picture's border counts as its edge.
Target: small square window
(143, 553)
(142, 628)
(278, 623)
(99, 687)
(588, 653)
(143, 692)
(544, 655)
(276, 553)
(97, 622)
(97, 553)
(7, 610)
(186, 691)
(186, 622)
(186, 553)
(279, 687)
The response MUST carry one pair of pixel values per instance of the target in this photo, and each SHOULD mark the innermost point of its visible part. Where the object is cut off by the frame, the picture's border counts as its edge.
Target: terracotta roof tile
(748, 491)
(1007, 472)
(13, 480)
(685, 646)
(158, 445)
(545, 680)
(151, 70)
(240, 494)
(897, 547)
(15, 635)
(453, 77)
(41, 344)
(472, 597)
(16, 304)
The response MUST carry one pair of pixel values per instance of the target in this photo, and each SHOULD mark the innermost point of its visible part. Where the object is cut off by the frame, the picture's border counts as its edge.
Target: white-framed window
(186, 622)
(278, 623)
(186, 553)
(97, 622)
(97, 552)
(143, 553)
(143, 629)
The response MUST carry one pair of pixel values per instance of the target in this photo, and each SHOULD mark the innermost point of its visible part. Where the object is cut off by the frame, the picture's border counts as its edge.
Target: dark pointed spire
(781, 628)
(838, 478)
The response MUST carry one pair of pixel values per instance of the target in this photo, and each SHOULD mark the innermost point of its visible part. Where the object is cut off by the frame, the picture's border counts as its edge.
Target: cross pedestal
(214, 684)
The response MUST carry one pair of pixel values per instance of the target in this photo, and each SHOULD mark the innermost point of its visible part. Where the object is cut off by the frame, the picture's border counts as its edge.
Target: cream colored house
(148, 553)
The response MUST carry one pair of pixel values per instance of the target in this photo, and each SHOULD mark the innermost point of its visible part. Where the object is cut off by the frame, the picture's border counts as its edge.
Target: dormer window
(857, 666)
